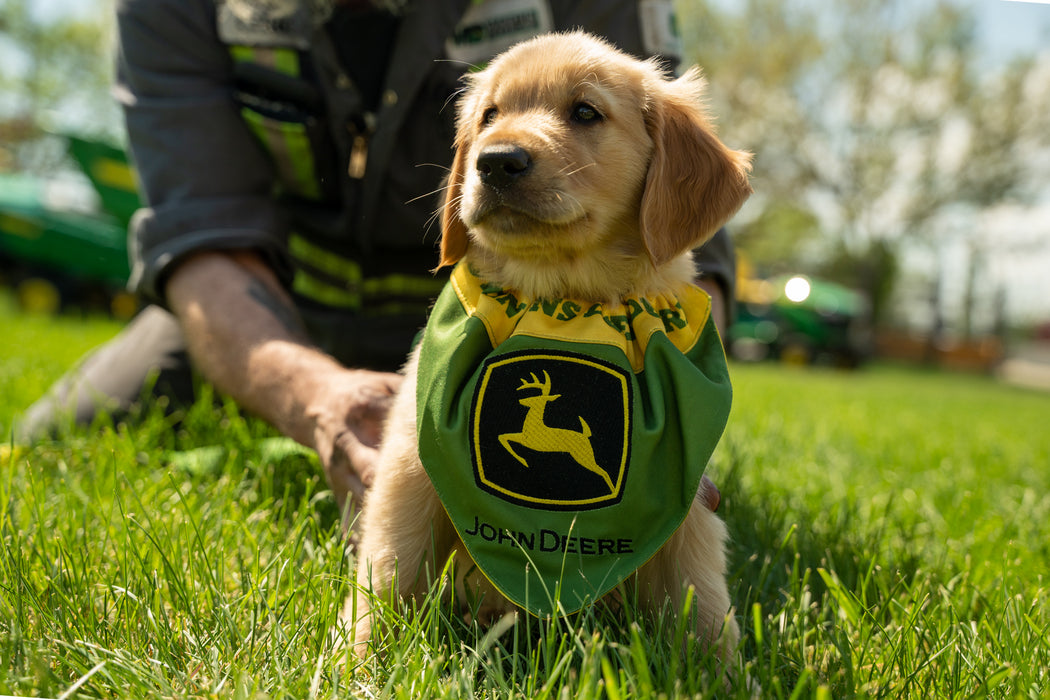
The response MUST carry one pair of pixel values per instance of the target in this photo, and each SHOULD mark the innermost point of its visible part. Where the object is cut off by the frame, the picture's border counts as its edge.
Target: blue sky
(1008, 27)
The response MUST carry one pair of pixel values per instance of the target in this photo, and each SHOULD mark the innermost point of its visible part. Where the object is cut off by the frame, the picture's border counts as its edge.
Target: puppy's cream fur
(622, 176)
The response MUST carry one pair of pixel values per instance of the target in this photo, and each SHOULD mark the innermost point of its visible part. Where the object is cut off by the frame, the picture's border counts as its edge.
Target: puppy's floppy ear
(454, 240)
(453, 230)
(695, 183)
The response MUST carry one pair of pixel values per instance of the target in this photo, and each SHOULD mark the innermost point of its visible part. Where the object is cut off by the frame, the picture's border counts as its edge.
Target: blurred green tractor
(800, 320)
(55, 251)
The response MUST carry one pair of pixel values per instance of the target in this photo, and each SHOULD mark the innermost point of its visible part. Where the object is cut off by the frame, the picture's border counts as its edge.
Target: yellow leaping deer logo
(537, 435)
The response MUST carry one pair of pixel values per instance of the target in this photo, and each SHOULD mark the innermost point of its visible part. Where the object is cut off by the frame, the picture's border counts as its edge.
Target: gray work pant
(147, 358)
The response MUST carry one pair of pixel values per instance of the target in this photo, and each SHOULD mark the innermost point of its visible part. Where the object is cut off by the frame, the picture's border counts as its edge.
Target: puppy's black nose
(500, 166)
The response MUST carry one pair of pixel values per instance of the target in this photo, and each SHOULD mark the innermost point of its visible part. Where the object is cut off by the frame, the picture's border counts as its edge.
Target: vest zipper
(359, 134)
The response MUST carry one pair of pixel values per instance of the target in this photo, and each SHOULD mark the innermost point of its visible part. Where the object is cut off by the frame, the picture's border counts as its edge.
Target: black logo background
(602, 397)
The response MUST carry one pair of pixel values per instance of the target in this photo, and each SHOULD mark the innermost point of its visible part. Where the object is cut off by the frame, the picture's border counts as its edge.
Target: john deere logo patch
(551, 430)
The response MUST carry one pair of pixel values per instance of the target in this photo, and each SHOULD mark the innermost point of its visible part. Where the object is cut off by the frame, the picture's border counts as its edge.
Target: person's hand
(245, 335)
(348, 413)
(708, 494)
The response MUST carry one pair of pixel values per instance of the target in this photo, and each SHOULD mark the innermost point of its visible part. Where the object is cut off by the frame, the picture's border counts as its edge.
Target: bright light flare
(797, 289)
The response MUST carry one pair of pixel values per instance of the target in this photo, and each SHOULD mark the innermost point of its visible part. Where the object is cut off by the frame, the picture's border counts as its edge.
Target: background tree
(55, 73)
(878, 129)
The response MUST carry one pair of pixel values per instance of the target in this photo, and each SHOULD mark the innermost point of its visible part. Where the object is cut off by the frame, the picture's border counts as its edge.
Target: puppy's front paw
(362, 637)
(355, 624)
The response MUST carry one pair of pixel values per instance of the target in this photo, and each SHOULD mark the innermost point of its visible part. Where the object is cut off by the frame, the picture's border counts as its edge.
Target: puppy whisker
(455, 95)
(438, 212)
(431, 193)
(565, 172)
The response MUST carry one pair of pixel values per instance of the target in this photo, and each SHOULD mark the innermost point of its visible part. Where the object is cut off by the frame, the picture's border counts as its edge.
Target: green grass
(888, 541)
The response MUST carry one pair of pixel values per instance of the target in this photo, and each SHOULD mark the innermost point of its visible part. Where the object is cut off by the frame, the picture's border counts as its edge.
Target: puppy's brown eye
(584, 113)
(489, 115)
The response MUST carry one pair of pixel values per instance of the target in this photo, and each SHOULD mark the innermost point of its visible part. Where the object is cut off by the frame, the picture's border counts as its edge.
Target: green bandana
(566, 439)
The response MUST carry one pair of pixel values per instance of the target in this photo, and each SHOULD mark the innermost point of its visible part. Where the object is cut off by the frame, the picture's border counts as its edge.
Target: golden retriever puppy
(558, 415)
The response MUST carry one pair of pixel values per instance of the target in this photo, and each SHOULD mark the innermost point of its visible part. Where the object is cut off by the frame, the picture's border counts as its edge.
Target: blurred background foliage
(56, 70)
(881, 132)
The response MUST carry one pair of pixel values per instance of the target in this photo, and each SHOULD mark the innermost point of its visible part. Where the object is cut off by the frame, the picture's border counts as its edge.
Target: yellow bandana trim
(628, 325)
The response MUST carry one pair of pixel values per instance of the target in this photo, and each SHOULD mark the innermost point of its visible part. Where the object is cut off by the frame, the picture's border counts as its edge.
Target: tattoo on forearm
(285, 314)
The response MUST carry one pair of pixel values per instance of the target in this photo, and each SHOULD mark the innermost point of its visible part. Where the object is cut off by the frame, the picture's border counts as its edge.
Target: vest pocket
(290, 143)
(285, 112)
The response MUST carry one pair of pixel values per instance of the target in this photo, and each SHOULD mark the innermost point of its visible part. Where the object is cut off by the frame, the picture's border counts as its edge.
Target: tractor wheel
(796, 351)
(123, 306)
(37, 295)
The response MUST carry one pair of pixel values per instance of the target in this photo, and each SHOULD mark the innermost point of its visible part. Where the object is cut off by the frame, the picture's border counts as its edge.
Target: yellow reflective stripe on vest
(353, 287)
(289, 147)
(243, 54)
(286, 61)
(280, 59)
(306, 285)
(286, 141)
(346, 270)
(304, 175)
(404, 284)
(310, 287)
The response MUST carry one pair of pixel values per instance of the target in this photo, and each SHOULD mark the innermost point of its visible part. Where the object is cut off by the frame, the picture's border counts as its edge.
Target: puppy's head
(572, 154)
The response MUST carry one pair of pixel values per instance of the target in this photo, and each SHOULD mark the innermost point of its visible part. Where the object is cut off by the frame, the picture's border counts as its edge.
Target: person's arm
(210, 243)
(245, 336)
(718, 303)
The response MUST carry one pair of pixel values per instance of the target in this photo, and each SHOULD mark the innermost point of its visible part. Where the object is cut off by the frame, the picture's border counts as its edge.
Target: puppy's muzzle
(503, 165)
